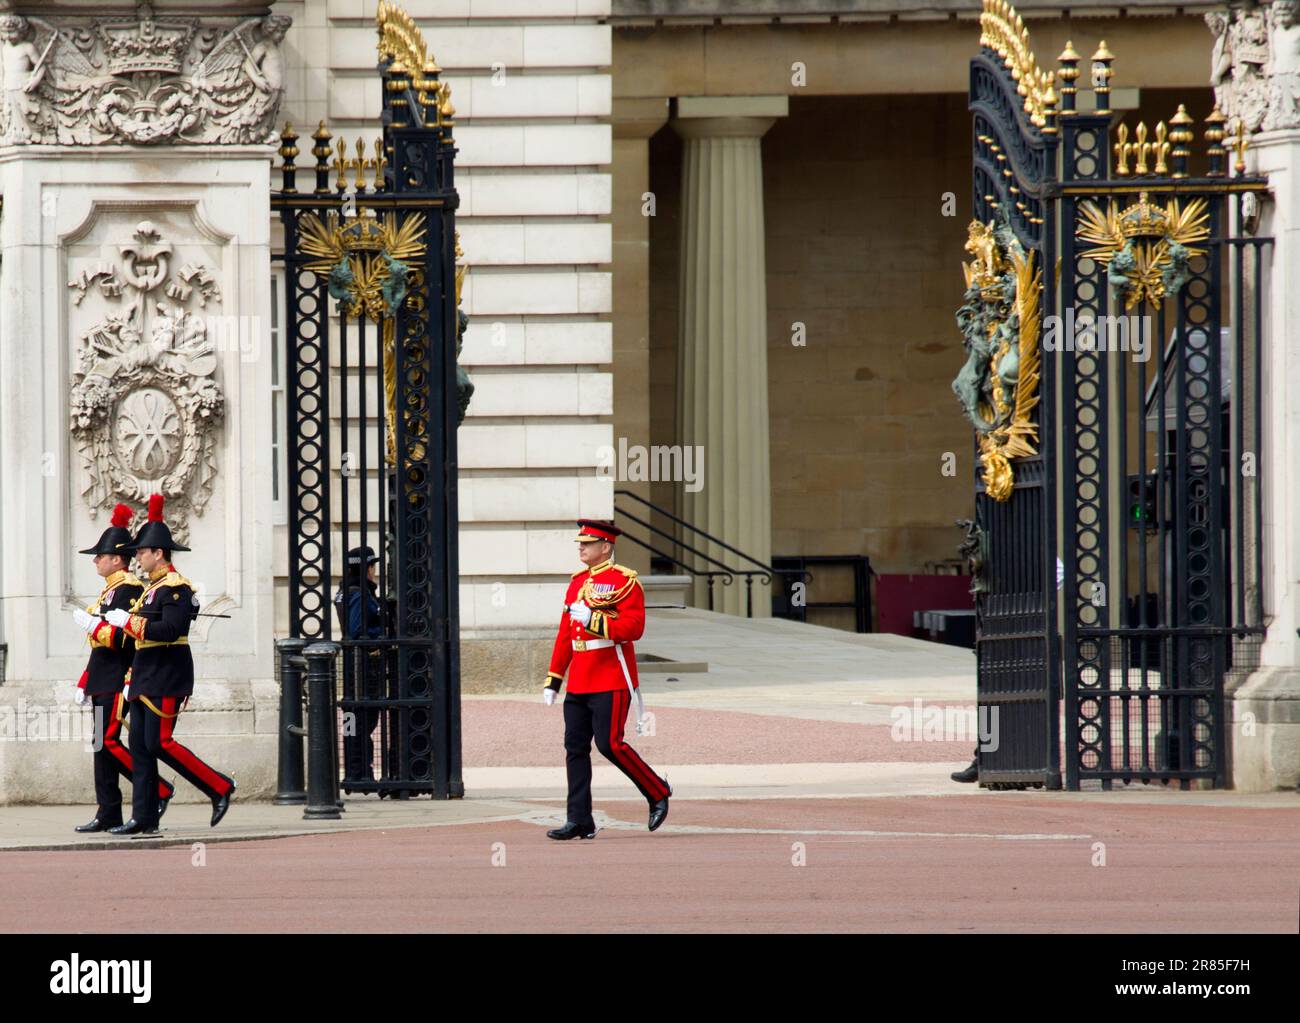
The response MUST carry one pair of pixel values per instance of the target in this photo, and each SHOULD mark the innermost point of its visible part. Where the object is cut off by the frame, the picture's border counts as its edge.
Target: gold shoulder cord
(609, 600)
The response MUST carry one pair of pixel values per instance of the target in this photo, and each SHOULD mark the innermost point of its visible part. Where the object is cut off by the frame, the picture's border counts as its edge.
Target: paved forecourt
(797, 808)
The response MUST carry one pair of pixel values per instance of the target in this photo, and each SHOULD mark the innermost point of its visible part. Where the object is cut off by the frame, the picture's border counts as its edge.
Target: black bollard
(290, 790)
(322, 776)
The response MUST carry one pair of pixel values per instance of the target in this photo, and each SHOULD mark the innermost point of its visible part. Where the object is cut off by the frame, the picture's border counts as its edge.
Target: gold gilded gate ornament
(1146, 249)
(364, 262)
(999, 320)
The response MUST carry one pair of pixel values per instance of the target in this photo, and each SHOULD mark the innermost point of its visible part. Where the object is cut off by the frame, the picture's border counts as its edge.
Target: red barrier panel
(898, 596)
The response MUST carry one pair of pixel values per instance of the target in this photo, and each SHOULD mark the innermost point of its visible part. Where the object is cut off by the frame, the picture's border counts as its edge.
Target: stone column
(135, 355)
(635, 120)
(722, 338)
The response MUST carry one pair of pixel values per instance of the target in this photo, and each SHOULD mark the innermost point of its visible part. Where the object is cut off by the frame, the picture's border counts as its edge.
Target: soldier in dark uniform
(361, 617)
(162, 676)
(111, 651)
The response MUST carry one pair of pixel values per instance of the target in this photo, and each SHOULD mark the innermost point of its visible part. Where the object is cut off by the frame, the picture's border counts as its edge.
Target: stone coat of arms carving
(141, 80)
(145, 403)
(1255, 64)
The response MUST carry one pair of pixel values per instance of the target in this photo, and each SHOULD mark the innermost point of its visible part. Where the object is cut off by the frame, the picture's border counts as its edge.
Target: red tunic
(618, 613)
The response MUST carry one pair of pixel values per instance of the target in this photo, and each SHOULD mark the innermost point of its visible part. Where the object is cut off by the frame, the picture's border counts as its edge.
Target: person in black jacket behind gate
(161, 677)
(361, 617)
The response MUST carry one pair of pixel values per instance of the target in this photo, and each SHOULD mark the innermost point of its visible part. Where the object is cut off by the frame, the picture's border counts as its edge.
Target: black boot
(571, 830)
(971, 773)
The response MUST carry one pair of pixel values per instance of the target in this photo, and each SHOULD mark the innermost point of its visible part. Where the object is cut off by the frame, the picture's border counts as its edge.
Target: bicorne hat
(116, 539)
(154, 533)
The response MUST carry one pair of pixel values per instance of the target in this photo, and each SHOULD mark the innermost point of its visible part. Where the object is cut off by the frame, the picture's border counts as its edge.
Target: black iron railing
(727, 574)
(788, 604)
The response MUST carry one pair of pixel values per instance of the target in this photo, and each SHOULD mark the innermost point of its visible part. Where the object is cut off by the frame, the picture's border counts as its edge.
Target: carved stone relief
(141, 80)
(1255, 64)
(145, 402)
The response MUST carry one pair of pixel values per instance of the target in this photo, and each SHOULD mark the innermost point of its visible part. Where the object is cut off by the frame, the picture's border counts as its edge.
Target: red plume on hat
(155, 532)
(122, 516)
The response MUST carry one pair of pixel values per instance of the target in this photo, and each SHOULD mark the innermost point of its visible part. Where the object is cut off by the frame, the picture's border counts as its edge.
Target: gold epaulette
(581, 571)
(175, 579)
(629, 572)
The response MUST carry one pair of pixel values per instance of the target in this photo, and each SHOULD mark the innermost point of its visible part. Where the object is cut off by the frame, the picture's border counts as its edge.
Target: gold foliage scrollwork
(998, 386)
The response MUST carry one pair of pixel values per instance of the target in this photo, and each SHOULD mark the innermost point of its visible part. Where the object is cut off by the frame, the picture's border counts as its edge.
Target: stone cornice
(95, 8)
(645, 13)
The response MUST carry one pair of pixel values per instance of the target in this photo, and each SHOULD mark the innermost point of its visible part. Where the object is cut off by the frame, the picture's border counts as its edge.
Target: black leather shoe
(95, 825)
(571, 830)
(221, 804)
(971, 773)
(131, 827)
(659, 810)
(162, 806)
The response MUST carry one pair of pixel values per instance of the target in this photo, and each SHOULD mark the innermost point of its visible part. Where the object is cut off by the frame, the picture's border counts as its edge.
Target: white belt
(591, 644)
(600, 644)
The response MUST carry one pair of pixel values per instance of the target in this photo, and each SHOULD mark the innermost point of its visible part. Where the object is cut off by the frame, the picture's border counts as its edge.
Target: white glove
(126, 691)
(117, 617)
(85, 620)
(548, 696)
(80, 698)
(580, 612)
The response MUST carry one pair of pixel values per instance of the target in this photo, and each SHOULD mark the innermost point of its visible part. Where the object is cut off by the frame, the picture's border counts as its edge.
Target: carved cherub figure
(24, 70)
(1284, 79)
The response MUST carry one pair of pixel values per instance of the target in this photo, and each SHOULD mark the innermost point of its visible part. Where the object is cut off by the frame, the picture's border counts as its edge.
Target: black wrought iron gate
(371, 401)
(1117, 425)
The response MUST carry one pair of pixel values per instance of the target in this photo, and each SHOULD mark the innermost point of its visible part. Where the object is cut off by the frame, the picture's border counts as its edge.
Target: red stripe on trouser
(625, 754)
(113, 745)
(184, 757)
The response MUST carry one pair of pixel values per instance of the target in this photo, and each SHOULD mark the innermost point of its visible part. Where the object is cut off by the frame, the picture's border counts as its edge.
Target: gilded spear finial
(1181, 135)
(1214, 135)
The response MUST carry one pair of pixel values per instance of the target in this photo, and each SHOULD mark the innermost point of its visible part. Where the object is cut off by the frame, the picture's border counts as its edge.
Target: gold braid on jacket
(594, 601)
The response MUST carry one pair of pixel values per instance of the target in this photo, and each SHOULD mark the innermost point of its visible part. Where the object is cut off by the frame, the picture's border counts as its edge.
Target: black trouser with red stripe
(601, 716)
(151, 741)
(112, 760)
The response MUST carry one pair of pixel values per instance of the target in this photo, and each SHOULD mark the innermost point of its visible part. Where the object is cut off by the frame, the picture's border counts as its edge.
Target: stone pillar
(134, 350)
(635, 120)
(722, 337)
(1265, 709)
(1259, 86)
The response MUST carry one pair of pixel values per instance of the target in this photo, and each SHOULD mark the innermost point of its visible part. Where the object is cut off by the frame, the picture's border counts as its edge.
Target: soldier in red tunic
(111, 651)
(604, 611)
(161, 677)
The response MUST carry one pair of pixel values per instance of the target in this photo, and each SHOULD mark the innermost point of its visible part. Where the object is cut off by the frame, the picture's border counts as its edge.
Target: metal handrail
(768, 570)
(727, 577)
(668, 536)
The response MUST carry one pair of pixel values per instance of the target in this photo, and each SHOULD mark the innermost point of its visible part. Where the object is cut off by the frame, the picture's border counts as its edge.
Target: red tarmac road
(524, 733)
(1168, 867)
